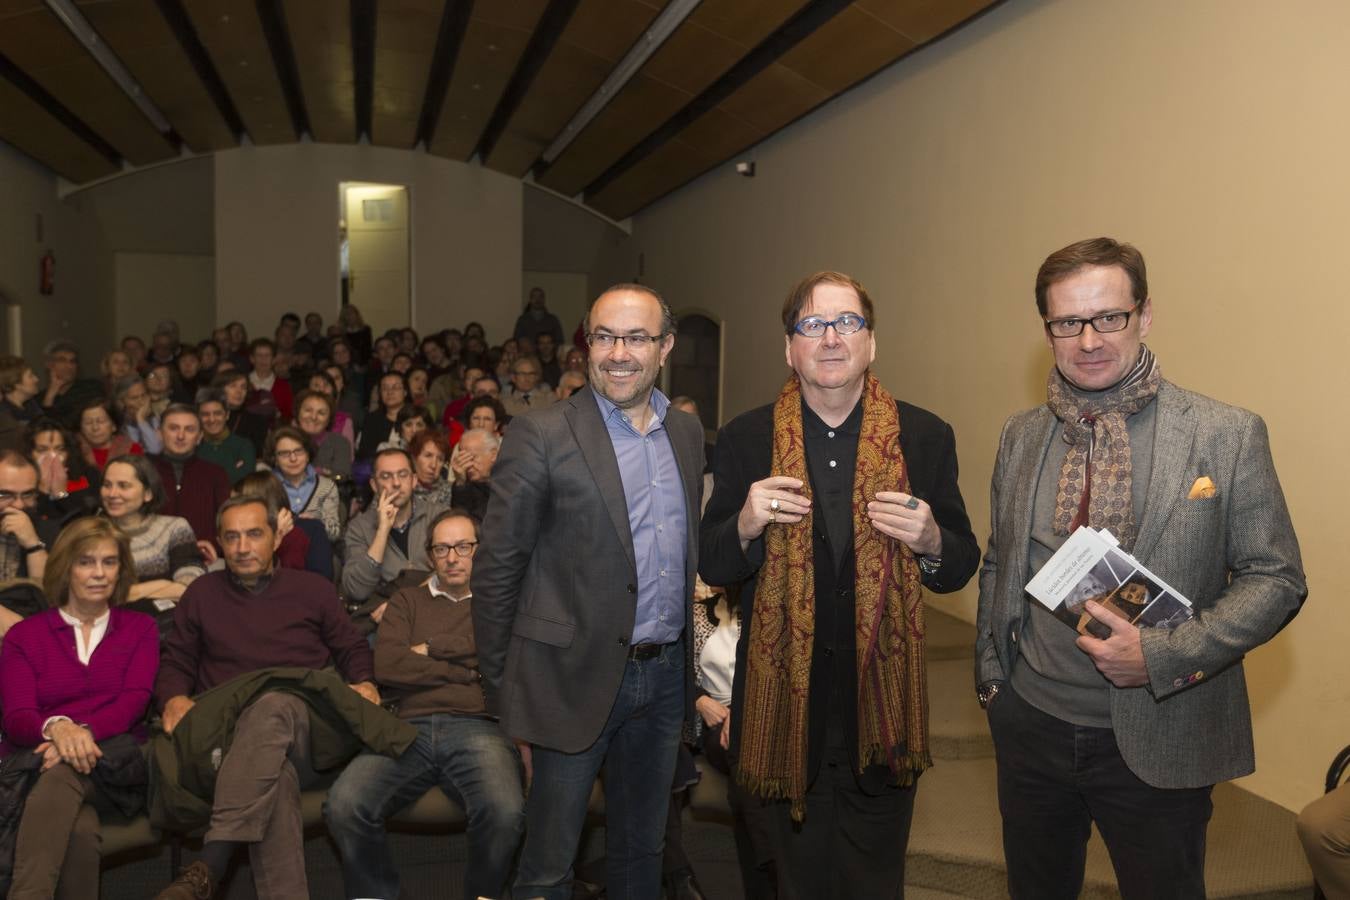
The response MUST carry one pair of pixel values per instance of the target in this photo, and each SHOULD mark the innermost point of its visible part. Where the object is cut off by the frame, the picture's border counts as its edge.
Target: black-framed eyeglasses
(24, 497)
(815, 326)
(463, 548)
(603, 341)
(1105, 323)
(294, 453)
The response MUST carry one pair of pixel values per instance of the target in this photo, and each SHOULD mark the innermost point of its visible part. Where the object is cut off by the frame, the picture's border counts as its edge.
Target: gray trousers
(257, 800)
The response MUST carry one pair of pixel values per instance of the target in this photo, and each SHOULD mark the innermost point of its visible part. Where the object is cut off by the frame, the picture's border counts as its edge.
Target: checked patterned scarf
(1094, 483)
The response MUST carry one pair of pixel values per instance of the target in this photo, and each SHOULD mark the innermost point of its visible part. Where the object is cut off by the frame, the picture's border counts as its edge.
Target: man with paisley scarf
(835, 504)
(1131, 731)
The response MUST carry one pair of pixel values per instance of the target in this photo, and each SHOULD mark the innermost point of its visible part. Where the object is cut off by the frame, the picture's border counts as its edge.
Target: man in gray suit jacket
(582, 600)
(1131, 731)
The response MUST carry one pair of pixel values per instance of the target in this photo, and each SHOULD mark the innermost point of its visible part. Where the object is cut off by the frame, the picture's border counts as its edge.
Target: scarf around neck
(892, 689)
(1096, 479)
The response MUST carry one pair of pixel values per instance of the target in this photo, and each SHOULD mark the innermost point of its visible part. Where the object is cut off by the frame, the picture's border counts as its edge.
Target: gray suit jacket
(555, 578)
(1233, 555)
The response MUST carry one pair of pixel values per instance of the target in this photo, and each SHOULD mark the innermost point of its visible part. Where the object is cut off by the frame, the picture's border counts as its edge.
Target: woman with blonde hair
(75, 682)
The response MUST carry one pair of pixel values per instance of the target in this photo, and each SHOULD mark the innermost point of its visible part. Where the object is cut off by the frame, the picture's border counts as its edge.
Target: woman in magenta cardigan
(69, 678)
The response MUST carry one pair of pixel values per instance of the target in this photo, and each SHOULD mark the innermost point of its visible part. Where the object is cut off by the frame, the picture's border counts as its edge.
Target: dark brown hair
(800, 295)
(1101, 251)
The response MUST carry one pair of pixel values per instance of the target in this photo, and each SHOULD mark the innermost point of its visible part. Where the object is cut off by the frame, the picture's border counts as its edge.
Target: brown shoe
(193, 883)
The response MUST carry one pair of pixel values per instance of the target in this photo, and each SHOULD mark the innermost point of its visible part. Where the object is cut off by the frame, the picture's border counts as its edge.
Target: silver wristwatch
(929, 565)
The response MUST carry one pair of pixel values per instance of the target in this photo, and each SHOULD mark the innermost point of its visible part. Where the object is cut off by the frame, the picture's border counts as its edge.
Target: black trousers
(1055, 779)
(850, 845)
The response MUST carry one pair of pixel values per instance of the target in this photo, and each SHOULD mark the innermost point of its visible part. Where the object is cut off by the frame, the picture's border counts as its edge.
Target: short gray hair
(490, 440)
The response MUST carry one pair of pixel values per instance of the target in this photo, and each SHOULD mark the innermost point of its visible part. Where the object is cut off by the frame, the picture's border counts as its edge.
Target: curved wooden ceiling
(492, 80)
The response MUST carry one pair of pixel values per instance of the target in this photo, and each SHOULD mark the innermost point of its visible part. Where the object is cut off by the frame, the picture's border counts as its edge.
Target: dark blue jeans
(637, 748)
(473, 762)
(1055, 779)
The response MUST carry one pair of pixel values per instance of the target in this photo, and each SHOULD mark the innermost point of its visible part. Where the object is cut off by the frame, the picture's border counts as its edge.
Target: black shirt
(831, 460)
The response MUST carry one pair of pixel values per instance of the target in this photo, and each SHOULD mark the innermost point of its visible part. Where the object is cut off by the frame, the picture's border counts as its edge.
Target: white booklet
(1091, 566)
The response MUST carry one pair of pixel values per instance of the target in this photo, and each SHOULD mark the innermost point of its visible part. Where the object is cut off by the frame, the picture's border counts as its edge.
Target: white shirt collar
(83, 650)
(434, 585)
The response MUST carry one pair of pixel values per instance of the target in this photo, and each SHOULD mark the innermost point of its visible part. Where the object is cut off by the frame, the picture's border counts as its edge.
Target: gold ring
(773, 516)
(773, 505)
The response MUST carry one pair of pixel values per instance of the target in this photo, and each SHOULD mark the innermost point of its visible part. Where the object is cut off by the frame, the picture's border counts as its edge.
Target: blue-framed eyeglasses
(815, 326)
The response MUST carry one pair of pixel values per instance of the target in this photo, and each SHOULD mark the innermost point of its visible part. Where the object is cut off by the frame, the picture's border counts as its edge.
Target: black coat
(743, 456)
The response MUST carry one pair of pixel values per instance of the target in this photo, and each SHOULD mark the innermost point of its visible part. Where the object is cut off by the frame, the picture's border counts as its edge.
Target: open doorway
(374, 253)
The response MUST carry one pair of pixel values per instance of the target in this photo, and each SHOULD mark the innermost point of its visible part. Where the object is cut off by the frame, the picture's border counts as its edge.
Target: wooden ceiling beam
(272, 16)
(58, 110)
(449, 38)
(542, 41)
(363, 64)
(788, 35)
(180, 23)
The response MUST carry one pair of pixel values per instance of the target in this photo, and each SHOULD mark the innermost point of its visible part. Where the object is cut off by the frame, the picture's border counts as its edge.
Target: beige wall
(80, 309)
(1207, 132)
(276, 215)
(151, 287)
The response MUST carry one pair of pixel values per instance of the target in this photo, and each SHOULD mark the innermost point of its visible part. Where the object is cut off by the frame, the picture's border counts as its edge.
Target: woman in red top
(101, 438)
(71, 678)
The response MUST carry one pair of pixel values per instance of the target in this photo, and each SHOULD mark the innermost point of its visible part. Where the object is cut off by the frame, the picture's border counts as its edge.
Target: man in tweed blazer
(1133, 731)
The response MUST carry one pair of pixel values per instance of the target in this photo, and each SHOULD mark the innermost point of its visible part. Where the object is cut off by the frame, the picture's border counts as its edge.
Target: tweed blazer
(555, 578)
(1233, 555)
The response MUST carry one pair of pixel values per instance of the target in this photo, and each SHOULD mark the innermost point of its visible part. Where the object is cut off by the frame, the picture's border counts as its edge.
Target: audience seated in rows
(161, 438)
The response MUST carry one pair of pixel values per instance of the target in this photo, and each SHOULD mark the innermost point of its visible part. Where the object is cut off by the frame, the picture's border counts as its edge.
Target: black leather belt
(645, 651)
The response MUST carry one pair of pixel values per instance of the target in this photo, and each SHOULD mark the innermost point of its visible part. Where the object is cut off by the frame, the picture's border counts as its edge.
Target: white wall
(276, 215)
(1207, 132)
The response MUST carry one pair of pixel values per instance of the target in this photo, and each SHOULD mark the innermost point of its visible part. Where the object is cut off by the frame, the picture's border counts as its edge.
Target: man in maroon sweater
(194, 488)
(254, 616)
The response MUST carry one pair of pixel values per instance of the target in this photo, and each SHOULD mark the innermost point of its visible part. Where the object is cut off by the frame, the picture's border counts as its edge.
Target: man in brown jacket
(425, 657)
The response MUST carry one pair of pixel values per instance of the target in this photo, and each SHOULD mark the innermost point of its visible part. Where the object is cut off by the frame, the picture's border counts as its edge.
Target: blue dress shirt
(654, 494)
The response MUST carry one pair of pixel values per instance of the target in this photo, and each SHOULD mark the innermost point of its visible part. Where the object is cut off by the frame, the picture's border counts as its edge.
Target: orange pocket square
(1202, 489)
